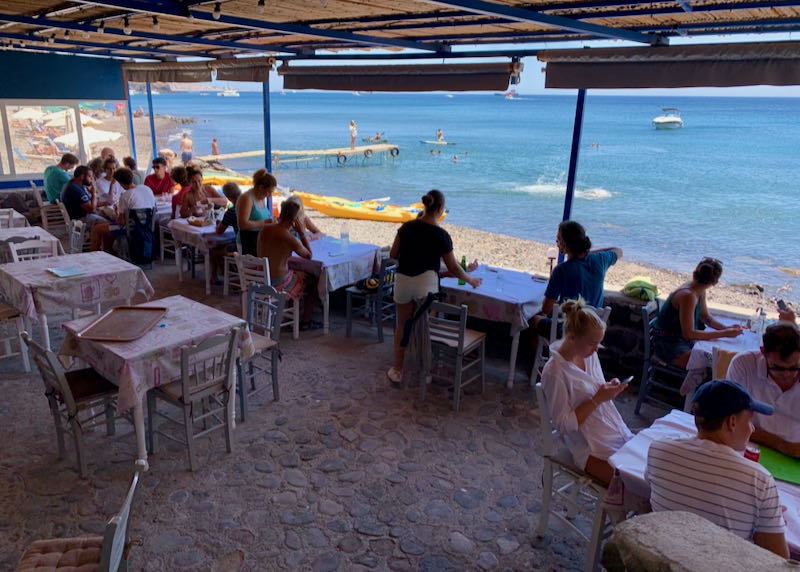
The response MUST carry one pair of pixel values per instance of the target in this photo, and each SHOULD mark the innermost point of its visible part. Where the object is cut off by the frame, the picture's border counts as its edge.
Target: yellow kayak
(364, 210)
(220, 178)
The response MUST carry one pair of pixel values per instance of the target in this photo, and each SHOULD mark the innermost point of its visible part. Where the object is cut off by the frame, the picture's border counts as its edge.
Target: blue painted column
(573, 159)
(267, 136)
(130, 123)
(152, 123)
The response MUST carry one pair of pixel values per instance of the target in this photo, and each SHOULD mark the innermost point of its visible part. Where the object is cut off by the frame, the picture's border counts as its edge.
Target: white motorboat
(669, 119)
(228, 92)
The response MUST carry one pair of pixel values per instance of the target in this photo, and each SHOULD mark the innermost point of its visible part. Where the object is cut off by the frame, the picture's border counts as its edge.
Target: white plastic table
(504, 296)
(36, 292)
(155, 358)
(336, 267)
(631, 461)
(203, 239)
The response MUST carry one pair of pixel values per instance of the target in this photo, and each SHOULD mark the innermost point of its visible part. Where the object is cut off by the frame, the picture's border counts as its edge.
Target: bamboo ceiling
(168, 29)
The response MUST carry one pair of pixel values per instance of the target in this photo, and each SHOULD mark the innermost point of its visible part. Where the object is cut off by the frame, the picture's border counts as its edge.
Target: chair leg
(59, 428)
(593, 550)
(644, 389)
(457, 383)
(296, 318)
(226, 277)
(483, 367)
(547, 493)
(274, 366)
(228, 423)
(152, 407)
(111, 428)
(189, 426)
(537, 362)
(77, 436)
(241, 387)
(379, 316)
(349, 314)
(23, 347)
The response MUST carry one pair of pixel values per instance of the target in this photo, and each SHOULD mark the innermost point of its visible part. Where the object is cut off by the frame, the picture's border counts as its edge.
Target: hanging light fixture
(156, 25)
(126, 28)
(260, 7)
(217, 11)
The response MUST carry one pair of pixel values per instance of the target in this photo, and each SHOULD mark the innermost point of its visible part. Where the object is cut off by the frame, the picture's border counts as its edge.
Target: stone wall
(623, 351)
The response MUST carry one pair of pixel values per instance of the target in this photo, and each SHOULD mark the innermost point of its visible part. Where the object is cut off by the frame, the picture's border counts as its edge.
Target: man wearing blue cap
(708, 474)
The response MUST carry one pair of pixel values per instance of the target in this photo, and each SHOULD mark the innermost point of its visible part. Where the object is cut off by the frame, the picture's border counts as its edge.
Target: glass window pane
(5, 169)
(105, 124)
(40, 134)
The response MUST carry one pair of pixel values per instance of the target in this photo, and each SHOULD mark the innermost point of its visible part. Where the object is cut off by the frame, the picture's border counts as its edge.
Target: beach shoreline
(530, 256)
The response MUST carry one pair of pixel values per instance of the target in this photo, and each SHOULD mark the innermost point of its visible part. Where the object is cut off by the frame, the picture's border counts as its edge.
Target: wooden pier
(341, 154)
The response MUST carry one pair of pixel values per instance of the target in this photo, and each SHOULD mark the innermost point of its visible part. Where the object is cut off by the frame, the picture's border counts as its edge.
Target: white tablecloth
(202, 238)
(504, 296)
(336, 267)
(701, 351)
(631, 461)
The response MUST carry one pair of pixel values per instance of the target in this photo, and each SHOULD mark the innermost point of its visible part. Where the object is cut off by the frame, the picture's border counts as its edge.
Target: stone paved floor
(344, 473)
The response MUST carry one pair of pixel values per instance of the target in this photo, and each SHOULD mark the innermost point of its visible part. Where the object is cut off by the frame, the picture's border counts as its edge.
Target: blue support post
(267, 136)
(130, 122)
(152, 122)
(573, 159)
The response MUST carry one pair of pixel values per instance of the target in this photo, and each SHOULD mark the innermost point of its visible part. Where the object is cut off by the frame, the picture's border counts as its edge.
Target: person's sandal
(394, 375)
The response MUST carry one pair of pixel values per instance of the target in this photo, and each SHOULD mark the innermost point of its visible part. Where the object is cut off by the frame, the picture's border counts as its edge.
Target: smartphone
(782, 305)
(626, 380)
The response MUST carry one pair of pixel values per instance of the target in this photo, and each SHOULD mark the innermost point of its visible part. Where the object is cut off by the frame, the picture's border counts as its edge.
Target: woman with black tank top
(419, 248)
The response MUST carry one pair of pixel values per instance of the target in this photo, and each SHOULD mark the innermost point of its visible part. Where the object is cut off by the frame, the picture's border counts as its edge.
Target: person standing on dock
(187, 147)
(214, 147)
(353, 134)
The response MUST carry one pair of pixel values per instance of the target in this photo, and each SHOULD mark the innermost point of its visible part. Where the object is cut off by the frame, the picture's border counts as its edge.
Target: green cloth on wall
(782, 467)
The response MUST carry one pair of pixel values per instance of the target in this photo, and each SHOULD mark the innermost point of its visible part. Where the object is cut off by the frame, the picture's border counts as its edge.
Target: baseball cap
(721, 398)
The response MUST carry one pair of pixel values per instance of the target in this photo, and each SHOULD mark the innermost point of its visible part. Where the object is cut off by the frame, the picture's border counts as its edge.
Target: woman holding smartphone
(579, 399)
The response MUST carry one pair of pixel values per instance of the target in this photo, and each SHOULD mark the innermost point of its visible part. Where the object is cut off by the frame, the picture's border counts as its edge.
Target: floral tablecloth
(504, 296)
(201, 238)
(153, 359)
(17, 219)
(336, 267)
(31, 289)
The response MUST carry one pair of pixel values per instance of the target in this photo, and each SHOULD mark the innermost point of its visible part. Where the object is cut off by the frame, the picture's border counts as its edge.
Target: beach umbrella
(61, 118)
(90, 137)
(28, 113)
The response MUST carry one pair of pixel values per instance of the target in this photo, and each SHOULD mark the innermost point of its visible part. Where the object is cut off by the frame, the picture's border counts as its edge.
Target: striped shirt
(713, 481)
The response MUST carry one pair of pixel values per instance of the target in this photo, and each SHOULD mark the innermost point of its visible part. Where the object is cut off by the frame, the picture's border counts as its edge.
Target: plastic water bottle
(614, 502)
(464, 267)
(344, 236)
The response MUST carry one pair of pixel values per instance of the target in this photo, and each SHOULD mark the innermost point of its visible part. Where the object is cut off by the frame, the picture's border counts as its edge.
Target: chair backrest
(386, 275)
(448, 323)
(55, 382)
(252, 270)
(649, 315)
(7, 219)
(141, 239)
(33, 249)
(77, 233)
(549, 433)
(208, 367)
(55, 219)
(265, 310)
(115, 536)
(720, 360)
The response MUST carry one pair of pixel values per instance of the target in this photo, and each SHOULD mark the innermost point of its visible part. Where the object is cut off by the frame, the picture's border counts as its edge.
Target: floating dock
(341, 154)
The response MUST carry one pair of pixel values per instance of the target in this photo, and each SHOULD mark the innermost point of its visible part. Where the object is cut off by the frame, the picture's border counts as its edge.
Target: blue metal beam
(87, 44)
(573, 155)
(130, 121)
(530, 16)
(166, 8)
(267, 137)
(152, 122)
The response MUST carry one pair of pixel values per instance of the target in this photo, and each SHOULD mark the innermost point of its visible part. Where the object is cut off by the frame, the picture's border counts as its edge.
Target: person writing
(253, 210)
(418, 247)
(579, 399)
(684, 316)
(708, 474)
(771, 375)
(277, 242)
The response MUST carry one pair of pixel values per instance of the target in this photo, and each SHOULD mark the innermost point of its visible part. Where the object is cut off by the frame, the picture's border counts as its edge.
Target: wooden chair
(79, 239)
(378, 304)
(569, 484)
(456, 350)
(202, 393)
(720, 361)
(231, 273)
(107, 553)
(55, 219)
(253, 270)
(264, 311)
(10, 317)
(655, 372)
(33, 249)
(7, 219)
(74, 398)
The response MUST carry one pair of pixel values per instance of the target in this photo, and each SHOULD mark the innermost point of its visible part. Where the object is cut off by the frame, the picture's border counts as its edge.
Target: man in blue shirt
(80, 199)
(57, 176)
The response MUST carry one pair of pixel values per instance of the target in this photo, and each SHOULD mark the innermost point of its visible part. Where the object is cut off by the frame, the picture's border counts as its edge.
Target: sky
(532, 78)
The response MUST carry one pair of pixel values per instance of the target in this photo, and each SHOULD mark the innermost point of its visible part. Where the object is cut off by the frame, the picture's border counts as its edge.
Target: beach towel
(641, 287)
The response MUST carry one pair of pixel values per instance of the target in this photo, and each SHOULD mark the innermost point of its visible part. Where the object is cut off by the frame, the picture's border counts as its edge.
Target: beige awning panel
(775, 63)
(243, 69)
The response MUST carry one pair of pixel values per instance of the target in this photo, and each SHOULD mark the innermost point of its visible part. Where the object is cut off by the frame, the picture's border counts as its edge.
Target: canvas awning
(445, 77)
(723, 65)
(244, 69)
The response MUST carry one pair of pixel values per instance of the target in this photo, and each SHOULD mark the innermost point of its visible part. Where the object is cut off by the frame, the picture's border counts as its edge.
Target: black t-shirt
(422, 246)
(73, 196)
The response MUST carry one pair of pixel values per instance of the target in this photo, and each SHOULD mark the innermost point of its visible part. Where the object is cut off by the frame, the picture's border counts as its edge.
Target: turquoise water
(725, 185)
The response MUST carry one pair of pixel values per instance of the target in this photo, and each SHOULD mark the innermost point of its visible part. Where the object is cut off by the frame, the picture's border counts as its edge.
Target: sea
(725, 185)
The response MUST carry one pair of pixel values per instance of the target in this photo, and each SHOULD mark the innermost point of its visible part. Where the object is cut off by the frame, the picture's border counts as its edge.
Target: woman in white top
(578, 396)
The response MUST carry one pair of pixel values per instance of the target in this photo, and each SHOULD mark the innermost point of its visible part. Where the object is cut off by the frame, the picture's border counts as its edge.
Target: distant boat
(440, 142)
(228, 92)
(449, 96)
(670, 119)
(356, 93)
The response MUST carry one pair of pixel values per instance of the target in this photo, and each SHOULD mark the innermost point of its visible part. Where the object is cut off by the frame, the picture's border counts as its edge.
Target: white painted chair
(253, 270)
(231, 272)
(12, 324)
(7, 219)
(55, 219)
(79, 239)
(34, 249)
(566, 483)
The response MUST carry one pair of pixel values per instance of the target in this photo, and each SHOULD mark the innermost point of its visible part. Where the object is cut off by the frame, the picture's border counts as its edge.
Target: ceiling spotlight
(217, 11)
(156, 25)
(126, 28)
(101, 27)
(260, 7)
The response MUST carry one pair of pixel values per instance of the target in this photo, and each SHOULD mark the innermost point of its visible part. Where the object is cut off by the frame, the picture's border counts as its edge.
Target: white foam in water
(593, 194)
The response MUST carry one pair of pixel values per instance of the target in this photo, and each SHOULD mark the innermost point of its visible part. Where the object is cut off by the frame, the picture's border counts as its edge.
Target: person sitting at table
(56, 177)
(108, 190)
(312, 232)
(684, 316)
(232, 192)
(199, 199)
(180, 178)
(277, 241)
(419, 248)
(253, 212)
(709, 475)
(132, 197)
(581, 274)
(578, 396)
(771, 375)
(80, 198)
(159, 180)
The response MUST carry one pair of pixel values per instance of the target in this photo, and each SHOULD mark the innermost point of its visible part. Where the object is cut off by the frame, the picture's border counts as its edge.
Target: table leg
(138, 423)
(45, 331)
(179, 260)
(512, 362)
(207, 268)
(325, 314)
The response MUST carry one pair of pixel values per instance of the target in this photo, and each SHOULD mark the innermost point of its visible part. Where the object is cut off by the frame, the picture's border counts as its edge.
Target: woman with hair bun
(419, 248)
(684, 316)
(579, 400)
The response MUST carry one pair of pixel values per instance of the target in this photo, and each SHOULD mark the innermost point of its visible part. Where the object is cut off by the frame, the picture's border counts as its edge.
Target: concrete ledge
(684, 542)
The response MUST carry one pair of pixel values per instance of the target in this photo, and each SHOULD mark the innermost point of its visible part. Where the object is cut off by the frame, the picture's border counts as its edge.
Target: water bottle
(614, 503)
(464, 267)
(344, 236)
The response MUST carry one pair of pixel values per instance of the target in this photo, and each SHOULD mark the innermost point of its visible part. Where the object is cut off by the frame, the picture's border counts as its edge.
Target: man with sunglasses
(771, 375)
(159, 180)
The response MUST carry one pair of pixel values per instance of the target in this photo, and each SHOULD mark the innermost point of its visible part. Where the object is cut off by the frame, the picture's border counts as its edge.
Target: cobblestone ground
(344, 473)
